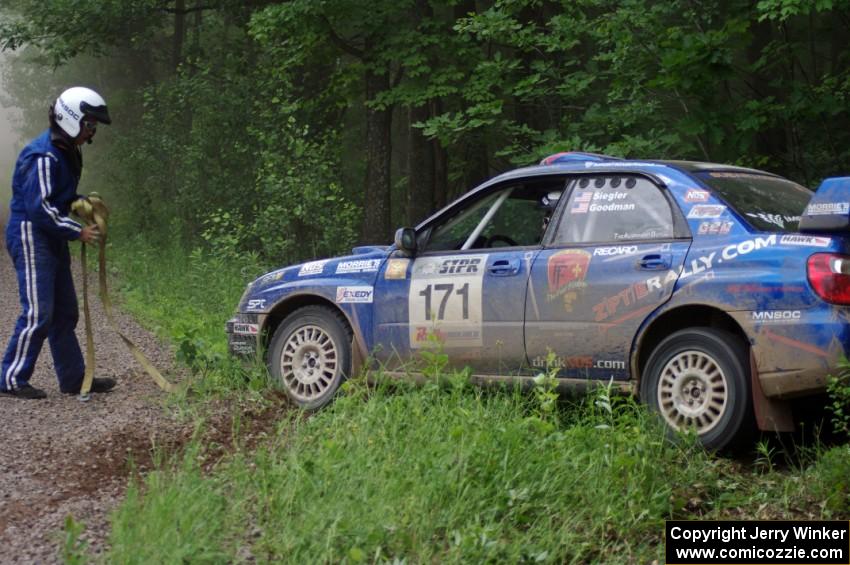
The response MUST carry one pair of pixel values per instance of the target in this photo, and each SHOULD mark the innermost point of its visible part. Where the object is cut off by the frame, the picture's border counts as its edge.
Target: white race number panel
(445, 299)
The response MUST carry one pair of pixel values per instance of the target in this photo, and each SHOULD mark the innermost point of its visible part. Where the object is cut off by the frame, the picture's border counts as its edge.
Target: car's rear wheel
(310, 355)
(699, 379)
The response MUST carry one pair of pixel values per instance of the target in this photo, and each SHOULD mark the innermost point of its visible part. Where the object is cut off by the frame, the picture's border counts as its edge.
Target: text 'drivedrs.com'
(757, 542)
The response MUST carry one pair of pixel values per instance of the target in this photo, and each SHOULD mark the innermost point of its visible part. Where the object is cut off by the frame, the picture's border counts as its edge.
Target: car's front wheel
(310, 355)
(699, 379)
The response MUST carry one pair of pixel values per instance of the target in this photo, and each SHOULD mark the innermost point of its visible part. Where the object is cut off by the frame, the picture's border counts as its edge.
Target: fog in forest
(10, 142)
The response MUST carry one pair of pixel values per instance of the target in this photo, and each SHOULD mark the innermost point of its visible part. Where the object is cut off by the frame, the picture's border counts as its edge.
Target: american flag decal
(581, 202)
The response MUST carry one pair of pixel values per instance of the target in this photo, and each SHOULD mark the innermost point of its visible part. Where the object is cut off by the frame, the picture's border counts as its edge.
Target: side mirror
(405, 240)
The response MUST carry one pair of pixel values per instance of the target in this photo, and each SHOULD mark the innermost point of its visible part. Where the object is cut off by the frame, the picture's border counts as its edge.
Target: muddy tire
(700, 379)
(310, 355)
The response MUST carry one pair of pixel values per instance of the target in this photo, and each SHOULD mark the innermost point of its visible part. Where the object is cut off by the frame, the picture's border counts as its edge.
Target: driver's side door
(465, 290)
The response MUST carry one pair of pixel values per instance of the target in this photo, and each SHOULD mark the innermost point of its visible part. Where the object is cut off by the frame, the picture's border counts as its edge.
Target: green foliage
(545, 384)
(781, 10)
(306, 212)
(830, 482)
(242, 129)
(66, 28)
(193, 522)
(838, 388)
(74, 550)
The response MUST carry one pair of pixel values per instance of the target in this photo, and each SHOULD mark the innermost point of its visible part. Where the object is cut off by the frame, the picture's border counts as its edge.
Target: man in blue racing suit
(43, 187)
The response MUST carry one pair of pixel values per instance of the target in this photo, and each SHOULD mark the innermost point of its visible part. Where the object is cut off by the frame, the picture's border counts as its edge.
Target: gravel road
(60, 456)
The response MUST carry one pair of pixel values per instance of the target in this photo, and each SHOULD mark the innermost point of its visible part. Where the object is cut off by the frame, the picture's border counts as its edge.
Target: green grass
(428, 474)
(454, 474)
(439, 473)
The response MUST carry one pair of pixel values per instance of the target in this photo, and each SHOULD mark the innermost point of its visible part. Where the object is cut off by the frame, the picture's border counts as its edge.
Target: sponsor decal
(579, 362)
(354, 294)
(827, 208)
(445, 336)
(566, 271)
(714, 228)
(396, 269)
(271, 277)
(359, 266)
(648, 234)
(243, 347)
(616, 250)
(256, 304)
(706, 211)
(693, 195)
(312, 268)
(809, 240)
(729, 253)
(774, 219)
(752, 288)
(835, 349)
(445, 298)
(246, 329)
(459, 265)
(629, 296)
(657, 285)
(776, 316)
(581, 203)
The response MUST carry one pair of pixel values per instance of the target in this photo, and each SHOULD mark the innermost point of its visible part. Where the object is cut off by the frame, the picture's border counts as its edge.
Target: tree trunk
(420, 150)
(441, 165)
(420, 169)
(769, 141)
(474, 148)
(376, 218)
(179, 33)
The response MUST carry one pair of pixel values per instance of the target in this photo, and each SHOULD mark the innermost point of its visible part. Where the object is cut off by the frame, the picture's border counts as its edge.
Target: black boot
(98, 384)
(25, 391)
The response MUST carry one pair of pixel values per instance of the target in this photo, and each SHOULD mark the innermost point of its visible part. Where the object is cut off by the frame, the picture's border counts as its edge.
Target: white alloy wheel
(699, 379)
(310, 355)
(692, 392)
(309, 363)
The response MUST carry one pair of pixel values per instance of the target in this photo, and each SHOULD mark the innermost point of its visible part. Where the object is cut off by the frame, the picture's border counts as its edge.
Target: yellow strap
(89, 374)
(94, 211)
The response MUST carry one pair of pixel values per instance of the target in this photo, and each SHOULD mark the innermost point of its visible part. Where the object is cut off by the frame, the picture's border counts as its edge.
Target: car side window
(609, 208)
(513, 216)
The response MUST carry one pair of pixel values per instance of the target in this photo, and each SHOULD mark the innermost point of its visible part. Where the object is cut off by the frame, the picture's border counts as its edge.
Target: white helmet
(77, 103)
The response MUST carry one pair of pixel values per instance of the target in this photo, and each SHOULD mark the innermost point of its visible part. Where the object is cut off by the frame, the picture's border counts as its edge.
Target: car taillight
(829, 275)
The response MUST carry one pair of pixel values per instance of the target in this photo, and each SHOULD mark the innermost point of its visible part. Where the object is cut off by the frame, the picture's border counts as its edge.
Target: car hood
(364, 259)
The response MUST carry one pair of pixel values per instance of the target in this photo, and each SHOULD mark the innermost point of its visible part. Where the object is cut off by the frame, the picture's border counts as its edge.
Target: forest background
(289, 130)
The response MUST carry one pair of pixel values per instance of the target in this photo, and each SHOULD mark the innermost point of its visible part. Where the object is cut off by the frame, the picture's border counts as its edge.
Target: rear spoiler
(829, 208)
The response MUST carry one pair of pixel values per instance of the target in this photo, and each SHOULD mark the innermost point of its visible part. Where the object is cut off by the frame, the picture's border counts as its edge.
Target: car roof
(611, 165)
(594, 163)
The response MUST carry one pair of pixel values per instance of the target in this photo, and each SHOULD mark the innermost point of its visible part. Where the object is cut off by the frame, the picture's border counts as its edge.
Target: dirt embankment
(60, 456)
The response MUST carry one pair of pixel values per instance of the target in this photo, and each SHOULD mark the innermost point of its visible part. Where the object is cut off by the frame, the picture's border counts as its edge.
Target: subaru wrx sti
(715, 293)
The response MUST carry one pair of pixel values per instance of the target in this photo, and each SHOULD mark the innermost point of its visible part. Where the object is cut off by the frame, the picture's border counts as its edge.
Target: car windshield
(768, 203)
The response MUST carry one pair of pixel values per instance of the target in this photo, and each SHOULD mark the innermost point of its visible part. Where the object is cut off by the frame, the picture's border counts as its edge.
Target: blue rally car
(716, 293)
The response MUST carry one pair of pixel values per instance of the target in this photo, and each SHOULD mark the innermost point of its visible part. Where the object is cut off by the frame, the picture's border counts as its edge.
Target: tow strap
(93, 211)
